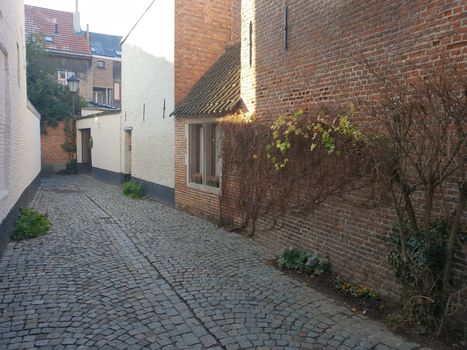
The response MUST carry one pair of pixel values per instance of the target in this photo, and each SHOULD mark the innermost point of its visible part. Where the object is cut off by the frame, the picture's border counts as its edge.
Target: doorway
(128, 152)
(86, 146)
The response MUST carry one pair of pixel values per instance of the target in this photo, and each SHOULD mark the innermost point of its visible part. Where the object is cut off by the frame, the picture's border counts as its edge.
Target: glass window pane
(195, 149)
(212, 155)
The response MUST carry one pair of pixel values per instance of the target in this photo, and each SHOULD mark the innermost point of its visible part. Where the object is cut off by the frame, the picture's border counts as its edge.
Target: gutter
(68, 53)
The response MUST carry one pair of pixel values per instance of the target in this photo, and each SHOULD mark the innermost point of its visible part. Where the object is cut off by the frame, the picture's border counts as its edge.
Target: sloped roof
(41, 21)
(218, 91)
(105, 45)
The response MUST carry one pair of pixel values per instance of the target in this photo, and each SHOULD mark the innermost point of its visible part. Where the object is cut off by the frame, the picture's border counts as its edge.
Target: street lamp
(73, 86)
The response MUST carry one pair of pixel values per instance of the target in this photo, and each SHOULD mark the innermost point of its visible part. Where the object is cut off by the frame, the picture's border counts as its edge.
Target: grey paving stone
(116, 273)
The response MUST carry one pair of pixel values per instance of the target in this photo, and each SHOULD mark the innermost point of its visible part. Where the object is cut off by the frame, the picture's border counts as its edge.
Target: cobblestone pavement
(116, 273)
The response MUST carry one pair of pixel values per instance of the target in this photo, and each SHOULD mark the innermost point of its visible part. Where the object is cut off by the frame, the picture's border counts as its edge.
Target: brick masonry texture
(202, 30)
(103, 77)
(53, 155)
(323, 66)
(116, 273)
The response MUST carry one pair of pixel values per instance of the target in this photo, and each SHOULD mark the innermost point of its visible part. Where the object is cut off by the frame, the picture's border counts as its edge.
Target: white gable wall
(19, 123)
(148, 81)
(105, 133)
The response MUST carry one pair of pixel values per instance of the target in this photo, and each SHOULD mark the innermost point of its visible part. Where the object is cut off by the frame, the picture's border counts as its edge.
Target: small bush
(299, 260)
(133, 190)
(356, 291)
(30, 224)
(71, 167)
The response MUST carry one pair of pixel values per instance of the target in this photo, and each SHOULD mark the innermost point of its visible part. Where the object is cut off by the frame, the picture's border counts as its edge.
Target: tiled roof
(41, 21)
(105, 45)
(218, 91)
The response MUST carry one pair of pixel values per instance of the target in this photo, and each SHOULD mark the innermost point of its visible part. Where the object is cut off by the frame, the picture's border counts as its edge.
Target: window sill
(204, 188)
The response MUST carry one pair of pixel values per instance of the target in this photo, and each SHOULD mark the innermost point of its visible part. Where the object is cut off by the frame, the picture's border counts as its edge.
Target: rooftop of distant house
(56, 30)
(105, 45)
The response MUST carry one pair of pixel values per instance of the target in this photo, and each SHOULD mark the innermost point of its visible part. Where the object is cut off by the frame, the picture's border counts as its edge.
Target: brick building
(107, 69)
(67, 47)
(19, 122)
(302, 55)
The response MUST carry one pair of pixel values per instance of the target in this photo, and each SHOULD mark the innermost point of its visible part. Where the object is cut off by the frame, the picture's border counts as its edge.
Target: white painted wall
(19, 124)
(105, 133)
(148, 80)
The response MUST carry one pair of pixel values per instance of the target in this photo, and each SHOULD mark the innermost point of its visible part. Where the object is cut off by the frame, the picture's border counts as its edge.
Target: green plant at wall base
(133, 190)
(30, 224)
(299, 260)
(71, 167)
(356, 291)
(419, 268)
(69, 146)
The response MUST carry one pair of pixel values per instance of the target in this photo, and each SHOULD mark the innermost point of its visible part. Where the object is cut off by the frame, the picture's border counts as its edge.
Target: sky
(115, 17)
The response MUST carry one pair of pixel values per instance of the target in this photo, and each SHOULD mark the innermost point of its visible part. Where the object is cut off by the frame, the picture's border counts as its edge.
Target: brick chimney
(202, 32)
(76, 19)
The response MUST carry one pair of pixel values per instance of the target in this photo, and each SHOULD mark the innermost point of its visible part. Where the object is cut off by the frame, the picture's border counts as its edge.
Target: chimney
(87, 32)
(55, 26)
(76, 20)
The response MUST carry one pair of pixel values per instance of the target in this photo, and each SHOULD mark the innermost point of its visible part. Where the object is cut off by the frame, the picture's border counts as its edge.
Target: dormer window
(48, 39)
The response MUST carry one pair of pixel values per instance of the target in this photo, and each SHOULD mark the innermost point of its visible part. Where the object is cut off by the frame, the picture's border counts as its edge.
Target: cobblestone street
(116, 273)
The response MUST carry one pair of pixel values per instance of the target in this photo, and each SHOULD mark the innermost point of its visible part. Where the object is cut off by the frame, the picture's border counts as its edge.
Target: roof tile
(42, 21)
(218, 91)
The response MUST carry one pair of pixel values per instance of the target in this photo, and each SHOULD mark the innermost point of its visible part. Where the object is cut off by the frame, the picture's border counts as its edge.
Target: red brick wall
(103, 77)
(53, 157)
(236, 21)
(321, 66)
(328, 38)
(202, 31)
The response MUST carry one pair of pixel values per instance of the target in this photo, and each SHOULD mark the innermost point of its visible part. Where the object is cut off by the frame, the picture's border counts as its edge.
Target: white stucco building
(19, 122)
(98, 146)
(148, 138)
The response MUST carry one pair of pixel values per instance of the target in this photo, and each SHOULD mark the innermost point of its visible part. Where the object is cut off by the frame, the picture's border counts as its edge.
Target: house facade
(19, 122)
(98, 146)
(148, 97)
(207, 89)
(66, 45)
(107, 69)
(93, 58)
(300, 55)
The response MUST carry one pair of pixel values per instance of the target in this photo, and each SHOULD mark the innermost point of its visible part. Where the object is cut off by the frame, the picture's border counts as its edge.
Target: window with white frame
(205, 163)
(103, 96)
(117, 89)
(63, 75)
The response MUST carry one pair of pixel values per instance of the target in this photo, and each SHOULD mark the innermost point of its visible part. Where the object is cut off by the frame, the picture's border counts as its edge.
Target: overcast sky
(103, 16)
